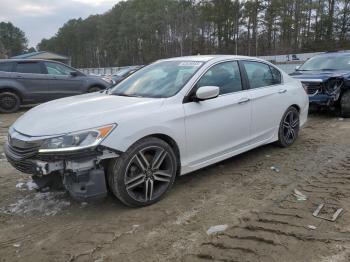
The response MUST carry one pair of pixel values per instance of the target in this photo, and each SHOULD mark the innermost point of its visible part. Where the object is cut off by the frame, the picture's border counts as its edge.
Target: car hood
(322, 76)
(82, 112)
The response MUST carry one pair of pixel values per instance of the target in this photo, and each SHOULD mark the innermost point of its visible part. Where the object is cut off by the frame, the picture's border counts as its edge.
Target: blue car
(326, 78)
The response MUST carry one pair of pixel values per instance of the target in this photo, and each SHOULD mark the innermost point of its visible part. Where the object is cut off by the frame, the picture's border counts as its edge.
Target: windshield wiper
(328, 69)
(127, 95)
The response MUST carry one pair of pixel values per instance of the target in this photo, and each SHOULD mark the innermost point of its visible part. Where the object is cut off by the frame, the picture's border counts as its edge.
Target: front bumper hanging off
(82, 173)
(323, 93)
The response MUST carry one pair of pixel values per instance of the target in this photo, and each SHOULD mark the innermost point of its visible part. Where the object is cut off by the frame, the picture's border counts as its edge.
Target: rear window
(29, 67)
(6, 67)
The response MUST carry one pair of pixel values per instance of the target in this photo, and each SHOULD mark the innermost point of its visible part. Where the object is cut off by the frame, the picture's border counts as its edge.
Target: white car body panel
(202, 130)
(82, 112)
(216, 126)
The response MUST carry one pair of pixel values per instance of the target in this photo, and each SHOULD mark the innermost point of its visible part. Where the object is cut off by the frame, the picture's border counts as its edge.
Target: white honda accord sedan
(170, 118)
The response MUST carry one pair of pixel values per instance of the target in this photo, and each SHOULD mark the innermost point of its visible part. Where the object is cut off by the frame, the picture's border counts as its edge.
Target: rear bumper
(304, 115)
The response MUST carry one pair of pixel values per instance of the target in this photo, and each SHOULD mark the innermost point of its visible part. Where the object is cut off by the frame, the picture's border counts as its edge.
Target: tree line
(141, 31)
(12, 40)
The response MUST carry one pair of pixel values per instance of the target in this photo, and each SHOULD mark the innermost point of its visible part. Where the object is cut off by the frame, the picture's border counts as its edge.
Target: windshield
(161, 79)
(326, 63)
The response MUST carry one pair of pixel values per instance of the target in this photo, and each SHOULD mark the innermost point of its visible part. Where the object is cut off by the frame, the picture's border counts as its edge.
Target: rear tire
(144, 173)
(9, 102)
(345, 104)
(289, 127)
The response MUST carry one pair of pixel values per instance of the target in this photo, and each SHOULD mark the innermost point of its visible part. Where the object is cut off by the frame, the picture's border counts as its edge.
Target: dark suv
(326, 78)
(36, 81)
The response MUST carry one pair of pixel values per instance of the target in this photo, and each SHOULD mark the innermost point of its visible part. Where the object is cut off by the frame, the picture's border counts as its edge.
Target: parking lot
(252, 194)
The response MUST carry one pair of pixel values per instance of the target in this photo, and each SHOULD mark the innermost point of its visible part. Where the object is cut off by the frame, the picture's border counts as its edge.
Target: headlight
(77, 140)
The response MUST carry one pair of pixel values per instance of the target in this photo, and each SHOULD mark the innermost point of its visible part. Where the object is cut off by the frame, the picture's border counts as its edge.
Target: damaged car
(169, 118)
(326, 78)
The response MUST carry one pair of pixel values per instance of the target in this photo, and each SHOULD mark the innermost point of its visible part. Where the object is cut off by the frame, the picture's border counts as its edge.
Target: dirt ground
(265, 221)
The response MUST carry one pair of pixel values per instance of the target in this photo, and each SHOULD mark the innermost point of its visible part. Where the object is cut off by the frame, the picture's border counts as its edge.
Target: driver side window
(224, 75)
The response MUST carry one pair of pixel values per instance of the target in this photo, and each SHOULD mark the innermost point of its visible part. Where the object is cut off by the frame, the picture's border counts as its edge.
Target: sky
(42, 18)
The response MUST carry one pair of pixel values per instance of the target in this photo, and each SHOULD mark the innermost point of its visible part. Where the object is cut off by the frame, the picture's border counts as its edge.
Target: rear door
(62, 83)
(268, 96)
(6, 66)
(32, 76)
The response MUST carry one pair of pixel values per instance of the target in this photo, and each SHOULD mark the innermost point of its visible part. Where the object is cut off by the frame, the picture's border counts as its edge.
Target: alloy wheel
(148, 174)
(290, 126)
(8, 102)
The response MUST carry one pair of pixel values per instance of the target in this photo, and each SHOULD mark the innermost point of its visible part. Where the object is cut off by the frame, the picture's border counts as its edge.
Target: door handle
(282, 91)
(243, 101)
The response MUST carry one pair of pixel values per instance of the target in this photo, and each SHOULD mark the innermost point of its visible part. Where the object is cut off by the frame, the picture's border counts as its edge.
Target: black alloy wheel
(143, 174)
(289, 127)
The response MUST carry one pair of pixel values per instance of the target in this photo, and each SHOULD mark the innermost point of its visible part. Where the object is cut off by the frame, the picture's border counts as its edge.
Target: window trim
(188, 97)
(261, 62)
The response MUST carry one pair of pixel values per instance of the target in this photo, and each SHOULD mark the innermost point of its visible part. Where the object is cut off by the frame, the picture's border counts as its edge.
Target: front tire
(345, 104)
(9, 102)
(144, 173)
(289, 127)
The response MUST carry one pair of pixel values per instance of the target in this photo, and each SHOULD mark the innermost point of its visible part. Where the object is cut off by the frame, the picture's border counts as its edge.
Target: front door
(221, 125)
(62, 83)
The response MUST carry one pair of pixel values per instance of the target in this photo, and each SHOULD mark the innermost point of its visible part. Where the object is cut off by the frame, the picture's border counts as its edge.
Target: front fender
(121, 141)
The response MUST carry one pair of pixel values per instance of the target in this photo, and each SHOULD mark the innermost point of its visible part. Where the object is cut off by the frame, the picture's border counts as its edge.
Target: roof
(41, 54)
(26, 60)
(335, 53)
(206, 58)
(27, 55)
(199, 58)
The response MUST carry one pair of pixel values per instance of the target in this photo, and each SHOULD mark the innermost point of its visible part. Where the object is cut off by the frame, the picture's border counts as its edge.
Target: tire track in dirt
(280, 231)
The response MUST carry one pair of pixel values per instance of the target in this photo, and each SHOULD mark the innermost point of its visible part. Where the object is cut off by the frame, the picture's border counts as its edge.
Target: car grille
(20, 149)
(312, 88)
(23, 153)
(24, 166)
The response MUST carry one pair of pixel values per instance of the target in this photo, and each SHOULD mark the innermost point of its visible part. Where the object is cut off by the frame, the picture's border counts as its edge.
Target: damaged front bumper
(82, 173)
(323, 93)
(322, 100)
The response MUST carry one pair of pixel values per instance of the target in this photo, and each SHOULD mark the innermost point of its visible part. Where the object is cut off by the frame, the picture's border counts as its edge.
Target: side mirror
(74, 74)
(297, 67)
(207, 92)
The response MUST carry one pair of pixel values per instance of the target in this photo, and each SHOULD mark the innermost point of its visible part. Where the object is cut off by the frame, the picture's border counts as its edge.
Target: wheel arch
(95, 85)
(12, 90)
(172, 143)
(296, 107)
